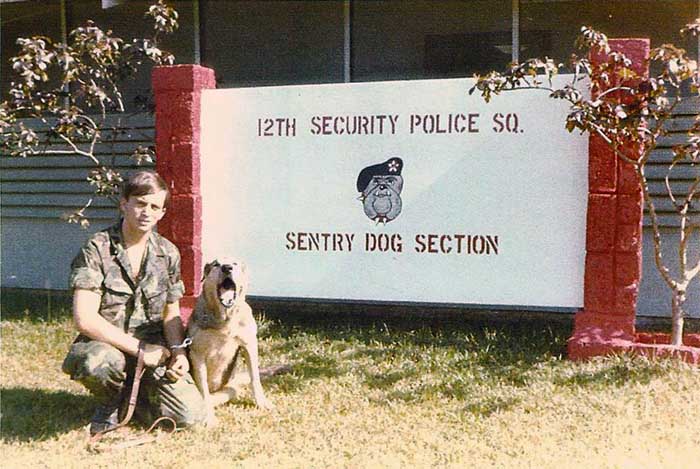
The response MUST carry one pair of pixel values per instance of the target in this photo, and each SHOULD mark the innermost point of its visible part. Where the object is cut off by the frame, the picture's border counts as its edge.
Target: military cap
(391, 167)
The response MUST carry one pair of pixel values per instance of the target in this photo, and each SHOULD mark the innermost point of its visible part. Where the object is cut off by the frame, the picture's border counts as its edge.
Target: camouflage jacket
(103, 266)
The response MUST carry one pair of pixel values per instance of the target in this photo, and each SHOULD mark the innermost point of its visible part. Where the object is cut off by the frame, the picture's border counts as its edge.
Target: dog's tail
(275, 370)
(241, 378)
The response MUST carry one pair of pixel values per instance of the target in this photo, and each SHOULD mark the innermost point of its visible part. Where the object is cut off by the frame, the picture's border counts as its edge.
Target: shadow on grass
(310, 366)
(387, 380)
(500, 341)
(460, 352)
(318, 366)
(39, 414)
(35, 305)
(614, 374)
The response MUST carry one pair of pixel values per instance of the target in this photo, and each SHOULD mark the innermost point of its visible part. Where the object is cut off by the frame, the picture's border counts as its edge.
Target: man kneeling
(126, 290)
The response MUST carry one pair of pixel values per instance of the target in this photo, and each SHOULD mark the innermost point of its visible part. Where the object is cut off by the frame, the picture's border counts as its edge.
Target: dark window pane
(273, 42)
(25, 19)
(406, 39)
(127, 21)
(658, 20)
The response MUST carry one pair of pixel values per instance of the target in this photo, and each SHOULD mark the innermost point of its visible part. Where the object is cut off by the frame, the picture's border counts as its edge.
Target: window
(412, 39)
(126, 20)
(658, 20)
(25, 19)
(277, 42)
(273, 42)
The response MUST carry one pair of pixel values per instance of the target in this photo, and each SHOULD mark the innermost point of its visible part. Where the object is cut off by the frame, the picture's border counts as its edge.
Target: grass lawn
(381, 393)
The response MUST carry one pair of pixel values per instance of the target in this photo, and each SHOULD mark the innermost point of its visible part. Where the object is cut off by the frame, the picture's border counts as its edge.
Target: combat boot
(107, 415)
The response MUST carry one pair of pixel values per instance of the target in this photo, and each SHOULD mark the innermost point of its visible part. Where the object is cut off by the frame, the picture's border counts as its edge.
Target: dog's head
(380, 186)
(224, 285)
(382, 198)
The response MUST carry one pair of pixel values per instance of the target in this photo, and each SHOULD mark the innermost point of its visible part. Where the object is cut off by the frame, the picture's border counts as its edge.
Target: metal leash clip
(185, 343)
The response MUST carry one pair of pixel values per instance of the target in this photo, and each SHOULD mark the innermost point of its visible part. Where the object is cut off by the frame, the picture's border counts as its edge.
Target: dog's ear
(208, 267)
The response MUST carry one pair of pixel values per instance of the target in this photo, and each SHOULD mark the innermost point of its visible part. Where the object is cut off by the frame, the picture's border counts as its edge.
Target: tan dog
(223, 325)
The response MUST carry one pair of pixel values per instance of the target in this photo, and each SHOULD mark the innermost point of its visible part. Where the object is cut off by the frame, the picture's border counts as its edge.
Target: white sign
(396, 191)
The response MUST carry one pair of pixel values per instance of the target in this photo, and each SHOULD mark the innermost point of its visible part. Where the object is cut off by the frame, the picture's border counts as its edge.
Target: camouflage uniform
(135, 305)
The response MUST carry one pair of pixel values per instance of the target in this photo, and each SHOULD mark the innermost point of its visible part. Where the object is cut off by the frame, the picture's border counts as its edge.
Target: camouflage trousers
(108, 373)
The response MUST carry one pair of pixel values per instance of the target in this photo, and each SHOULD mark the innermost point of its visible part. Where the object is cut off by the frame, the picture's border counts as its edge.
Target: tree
(71, 88)
(629, 113)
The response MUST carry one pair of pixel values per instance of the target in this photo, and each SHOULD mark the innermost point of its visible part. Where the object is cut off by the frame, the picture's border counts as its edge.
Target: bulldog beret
(391, 167)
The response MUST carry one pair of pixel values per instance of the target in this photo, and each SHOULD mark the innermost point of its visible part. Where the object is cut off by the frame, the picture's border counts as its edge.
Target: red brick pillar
(613, 239)
(178, 91)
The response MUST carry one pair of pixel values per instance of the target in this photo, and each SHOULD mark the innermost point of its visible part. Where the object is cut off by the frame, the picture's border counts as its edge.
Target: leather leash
(133, 398)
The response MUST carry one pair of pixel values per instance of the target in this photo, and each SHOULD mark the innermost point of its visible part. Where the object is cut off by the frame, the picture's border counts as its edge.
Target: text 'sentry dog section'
(396, 191)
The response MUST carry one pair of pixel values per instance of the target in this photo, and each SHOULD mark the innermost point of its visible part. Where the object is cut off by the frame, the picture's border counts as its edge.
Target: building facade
(252, 43)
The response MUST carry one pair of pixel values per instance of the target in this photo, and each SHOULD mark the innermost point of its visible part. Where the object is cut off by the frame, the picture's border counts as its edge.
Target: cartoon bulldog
(381, 186)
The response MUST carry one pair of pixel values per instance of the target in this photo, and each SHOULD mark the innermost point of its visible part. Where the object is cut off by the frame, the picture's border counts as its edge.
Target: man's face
(142, 212)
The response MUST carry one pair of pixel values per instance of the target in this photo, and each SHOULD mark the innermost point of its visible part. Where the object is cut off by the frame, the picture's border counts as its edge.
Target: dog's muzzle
(227, 292)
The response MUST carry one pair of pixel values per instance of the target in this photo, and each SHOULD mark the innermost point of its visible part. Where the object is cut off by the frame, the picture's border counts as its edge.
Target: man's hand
(154, 355)
(179, 365)
(175, 334)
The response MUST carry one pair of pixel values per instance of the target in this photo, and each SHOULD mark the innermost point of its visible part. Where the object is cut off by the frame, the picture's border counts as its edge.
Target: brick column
(177, 91)
(613, 239)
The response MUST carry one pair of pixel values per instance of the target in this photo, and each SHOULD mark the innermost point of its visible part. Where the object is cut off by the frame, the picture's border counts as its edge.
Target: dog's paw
(211, 421)
(264, 403)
